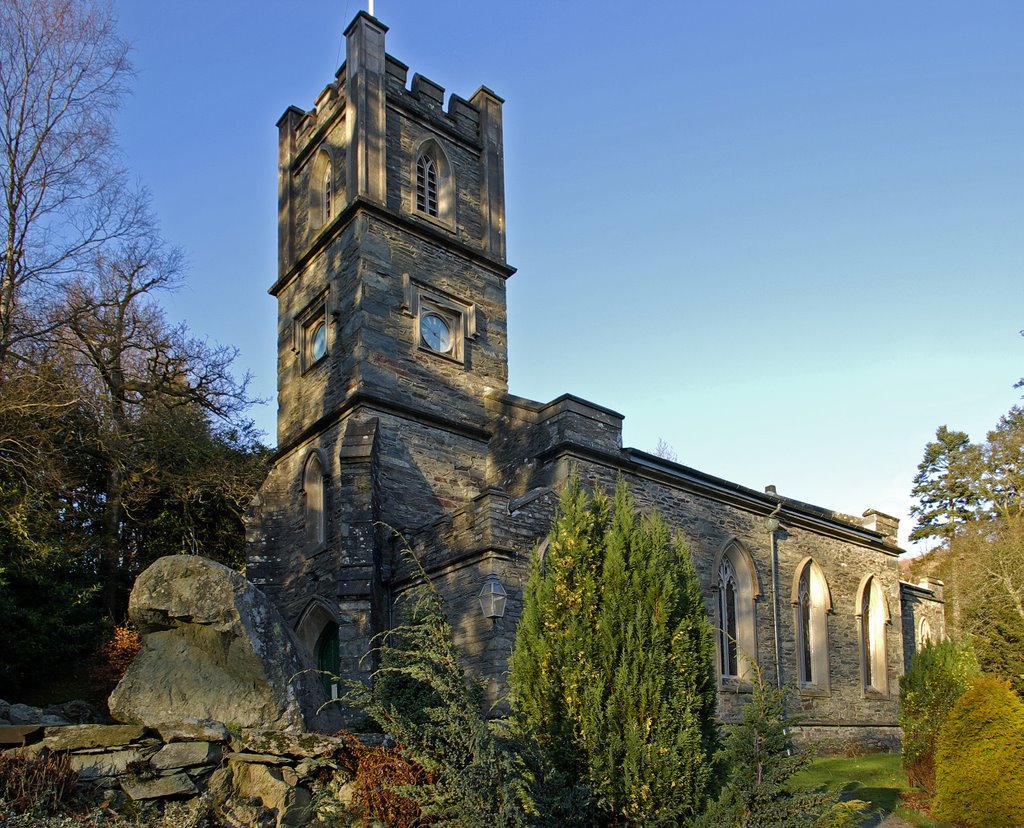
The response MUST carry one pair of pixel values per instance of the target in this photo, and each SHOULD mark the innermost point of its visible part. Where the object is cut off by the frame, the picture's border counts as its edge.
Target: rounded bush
(979, 760)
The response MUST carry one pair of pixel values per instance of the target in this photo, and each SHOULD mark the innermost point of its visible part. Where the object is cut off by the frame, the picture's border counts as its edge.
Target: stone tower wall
(402, 431)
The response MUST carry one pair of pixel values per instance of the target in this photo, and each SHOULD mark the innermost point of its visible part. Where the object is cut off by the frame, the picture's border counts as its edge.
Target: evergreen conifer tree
(551, 664)
(612, 664)
(478, 772)
(759, 761)
(945, 485)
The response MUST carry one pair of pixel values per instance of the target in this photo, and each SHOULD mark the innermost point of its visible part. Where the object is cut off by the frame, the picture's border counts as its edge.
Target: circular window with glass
(318, 342)
(436, 333)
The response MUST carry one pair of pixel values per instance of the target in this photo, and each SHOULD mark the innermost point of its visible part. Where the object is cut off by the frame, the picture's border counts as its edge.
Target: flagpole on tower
(371, 8)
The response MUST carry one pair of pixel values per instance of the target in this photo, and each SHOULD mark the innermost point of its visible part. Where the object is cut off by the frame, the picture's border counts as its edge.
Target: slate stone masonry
(431, 450)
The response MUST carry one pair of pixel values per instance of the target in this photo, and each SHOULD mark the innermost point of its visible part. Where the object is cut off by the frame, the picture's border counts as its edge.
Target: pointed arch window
(315, 512)
(328, 192)
(322, 191)
(737, 589)
(426, 186)
(432, 177)
(727, 613)
(811, 603)
(873, 615)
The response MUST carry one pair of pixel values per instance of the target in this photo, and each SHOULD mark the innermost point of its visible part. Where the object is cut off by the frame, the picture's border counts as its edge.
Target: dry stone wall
(248, 777)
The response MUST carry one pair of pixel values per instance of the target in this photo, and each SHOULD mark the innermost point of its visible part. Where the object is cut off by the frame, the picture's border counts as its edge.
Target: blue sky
(785, 237)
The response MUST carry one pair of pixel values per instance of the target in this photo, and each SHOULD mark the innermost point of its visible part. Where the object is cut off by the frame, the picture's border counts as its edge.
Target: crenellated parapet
(374, 138)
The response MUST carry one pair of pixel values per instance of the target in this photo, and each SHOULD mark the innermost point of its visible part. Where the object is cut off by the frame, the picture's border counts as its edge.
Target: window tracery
(737, 587)
(328, 192)
(727, 613)
(432, 182)
(426, 186)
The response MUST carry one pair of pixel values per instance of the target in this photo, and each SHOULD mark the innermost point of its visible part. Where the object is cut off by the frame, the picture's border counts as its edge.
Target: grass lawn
(877, 779)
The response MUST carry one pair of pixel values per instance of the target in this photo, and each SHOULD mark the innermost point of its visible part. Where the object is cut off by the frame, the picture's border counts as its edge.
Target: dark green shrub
(979, 760)
(938, 676)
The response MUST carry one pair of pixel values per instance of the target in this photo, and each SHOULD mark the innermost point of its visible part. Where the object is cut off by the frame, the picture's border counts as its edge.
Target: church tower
(395, 426)
(391, 335)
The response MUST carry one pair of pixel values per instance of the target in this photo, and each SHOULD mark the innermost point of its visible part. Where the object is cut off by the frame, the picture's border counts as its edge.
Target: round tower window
(318, 342)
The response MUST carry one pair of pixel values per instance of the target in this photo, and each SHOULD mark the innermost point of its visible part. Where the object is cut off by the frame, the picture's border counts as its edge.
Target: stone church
(396, 425)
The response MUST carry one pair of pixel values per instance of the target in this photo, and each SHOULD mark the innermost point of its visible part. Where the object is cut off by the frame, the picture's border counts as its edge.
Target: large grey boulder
(213, 647)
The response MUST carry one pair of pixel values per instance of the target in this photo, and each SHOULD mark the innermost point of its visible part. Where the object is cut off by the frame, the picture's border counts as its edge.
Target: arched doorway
(328, 659)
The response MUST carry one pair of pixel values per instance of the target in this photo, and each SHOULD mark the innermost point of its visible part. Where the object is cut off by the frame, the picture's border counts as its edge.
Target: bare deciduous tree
(63, 71)
(121, 435)
(665, 451)
(132, 365)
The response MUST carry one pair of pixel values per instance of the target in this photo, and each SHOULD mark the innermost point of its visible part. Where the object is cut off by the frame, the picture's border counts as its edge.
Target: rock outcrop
(214, 648)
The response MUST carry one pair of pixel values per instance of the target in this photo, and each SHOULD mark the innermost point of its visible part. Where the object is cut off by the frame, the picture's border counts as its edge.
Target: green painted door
(328, 659)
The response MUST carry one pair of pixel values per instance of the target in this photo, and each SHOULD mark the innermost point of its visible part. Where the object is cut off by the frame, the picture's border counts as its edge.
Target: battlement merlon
(349, 122)
(462, 117)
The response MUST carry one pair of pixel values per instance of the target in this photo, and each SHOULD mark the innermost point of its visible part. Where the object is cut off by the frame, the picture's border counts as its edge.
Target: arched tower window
(328, 191)
(434, 193)
(873, 614)
(737, 590)
(426, 186)
(315, 506)
(812, 603)
(322, 191)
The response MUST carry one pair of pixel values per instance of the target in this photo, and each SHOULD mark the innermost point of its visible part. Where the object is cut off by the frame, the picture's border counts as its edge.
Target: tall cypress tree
(612, 665)
(551, 664)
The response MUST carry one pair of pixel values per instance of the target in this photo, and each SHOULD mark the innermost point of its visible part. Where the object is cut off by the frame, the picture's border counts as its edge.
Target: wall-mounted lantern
(493, 597)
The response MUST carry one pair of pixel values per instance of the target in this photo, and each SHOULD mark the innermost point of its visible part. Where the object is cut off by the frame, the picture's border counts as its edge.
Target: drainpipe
(772, 524)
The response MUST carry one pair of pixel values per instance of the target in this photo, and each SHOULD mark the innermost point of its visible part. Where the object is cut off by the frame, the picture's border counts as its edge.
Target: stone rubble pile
(258, 778)
(214, 651)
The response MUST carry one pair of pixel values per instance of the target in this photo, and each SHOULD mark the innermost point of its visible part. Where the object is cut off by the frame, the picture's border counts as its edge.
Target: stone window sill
(735, 685)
